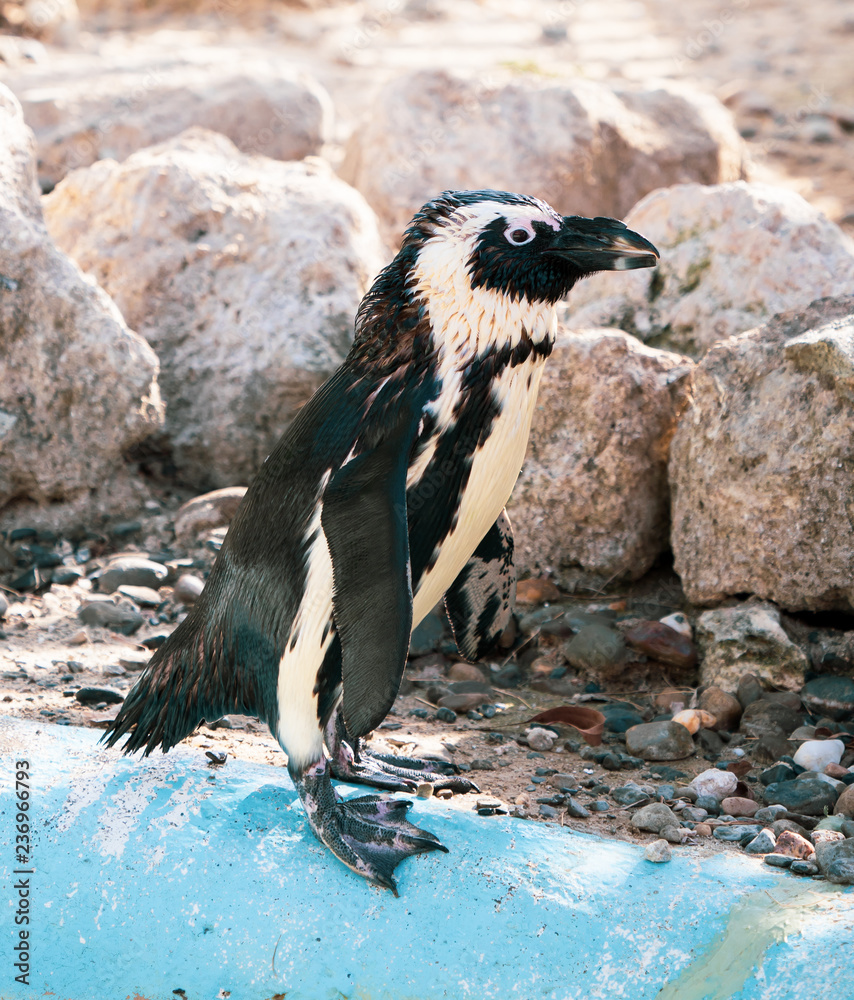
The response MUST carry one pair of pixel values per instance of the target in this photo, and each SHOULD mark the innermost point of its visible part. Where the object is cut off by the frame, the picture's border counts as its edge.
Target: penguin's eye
(518, 234)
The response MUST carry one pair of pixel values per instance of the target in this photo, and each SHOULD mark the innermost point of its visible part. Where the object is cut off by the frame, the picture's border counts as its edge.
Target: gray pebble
(548, 811)
(672, 834)
(628, 793)
(187, 589)
(736, 834)
(694, 814)
(658, 851)
(112, 616)
(135, 571)
(576, 810)
(709, 803)
(144, 596)
(98, 696)
(778, 860)
(800, 867)
(541, 739)
(482, 764)
(659, 741)
(654, 817)
(763, 843)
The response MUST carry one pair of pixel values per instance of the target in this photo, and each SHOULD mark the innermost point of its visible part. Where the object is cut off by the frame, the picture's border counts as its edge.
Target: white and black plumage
(384, 495)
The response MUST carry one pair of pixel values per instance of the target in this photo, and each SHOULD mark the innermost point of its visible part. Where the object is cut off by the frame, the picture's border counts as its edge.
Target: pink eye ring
(519, 234)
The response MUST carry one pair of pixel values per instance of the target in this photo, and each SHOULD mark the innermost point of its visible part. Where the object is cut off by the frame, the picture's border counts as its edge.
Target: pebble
(678, 622)
(693, 719)
(777, 860)
(611, 762)
(595, 647)
(693, 814)
(763, 843)
(541, 739)
(749, 690)
(735, 805)
(738, 833)
(663, 643)
(466, 672)
(658, 851)
(779, 772)
(793, 845)
(815, 755)
(446, 715)
(810, 797)
(837, 771)
(673, 834)
(803, 867)
(576, 810)
(460, 702)
(703, 830)
(769, 718)
(715, 784)
(97, 696)
(143, 596)
(726, 708)
(830, 696)
(628, 793)
(836, 861)
(4, 604)
(620, 717)
(654, 818)
(187, 589)
(115, 617)
(482, 764)
(567, 782)
(845, 803)
(659, 741)
(600, 805)
(767, 814)
(135, 571)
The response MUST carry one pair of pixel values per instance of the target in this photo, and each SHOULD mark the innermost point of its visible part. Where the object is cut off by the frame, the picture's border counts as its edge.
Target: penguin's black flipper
(481, 599)
(364, 520)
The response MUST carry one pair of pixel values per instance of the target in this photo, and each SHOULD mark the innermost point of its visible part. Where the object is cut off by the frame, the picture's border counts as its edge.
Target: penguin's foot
(386, 771)
(370, 834)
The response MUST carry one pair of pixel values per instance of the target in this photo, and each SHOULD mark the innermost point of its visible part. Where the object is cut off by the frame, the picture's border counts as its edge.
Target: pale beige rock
(732, 256)
(761, 465)
(93, 107)
(748, 639)
(735, 805)
(244, 273)
(592, 491)
(694, 719)
(77, 387)
(202, 513)
(586, 148)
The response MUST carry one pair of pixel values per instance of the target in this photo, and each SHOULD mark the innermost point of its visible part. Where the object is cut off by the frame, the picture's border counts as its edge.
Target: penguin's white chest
(494, 469)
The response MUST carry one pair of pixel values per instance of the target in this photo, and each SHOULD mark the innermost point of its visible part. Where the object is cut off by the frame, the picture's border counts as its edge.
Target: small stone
(703, 830)
(97, 696)
(460, 702)
(575, 809)
(777, 860)
(749, 690)
(628, 793)
(726, 708)
(446, 715)
(663, 643)
(658, 851)
(793, 845)
(737, 806)
(836, 771)
(536, 591)
(659, 741)
(767, 814)
(831, 696)
(206, 512)
(769, 718)
(679, 623)
(714, 783)
(845, 803)
(710, 742)
(803, 867)
(779, 772)
(693, 814)
(620, 717)
(810, 797)
(424, 789)
(654, 817)
(709, 803)
(815, 755)
(482, 764)
(115, 617)
(763, 843)
(594, 648)
(135, 571)
(187, 589)
(693, 719)
(541, 739)
(466, 672)
(144, 596)
(80, 638)
(611, 762)
(739, 833)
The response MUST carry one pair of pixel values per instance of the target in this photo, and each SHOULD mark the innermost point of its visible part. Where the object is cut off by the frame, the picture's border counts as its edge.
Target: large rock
(731, 257)
(90, 108)
(748, 639)
(244, 273)
(77, 387)
(762, 465)
(585, 147)
(593, 489)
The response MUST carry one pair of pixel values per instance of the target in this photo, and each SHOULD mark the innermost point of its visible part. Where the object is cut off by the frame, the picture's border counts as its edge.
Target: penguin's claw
(370, 834)
(386, 771)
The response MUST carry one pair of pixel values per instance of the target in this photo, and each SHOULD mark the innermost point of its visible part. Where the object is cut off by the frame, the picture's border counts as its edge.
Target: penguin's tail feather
(202, 672)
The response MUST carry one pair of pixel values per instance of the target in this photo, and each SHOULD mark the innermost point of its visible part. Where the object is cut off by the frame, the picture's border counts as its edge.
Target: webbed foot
(370, 834)
(389, 772)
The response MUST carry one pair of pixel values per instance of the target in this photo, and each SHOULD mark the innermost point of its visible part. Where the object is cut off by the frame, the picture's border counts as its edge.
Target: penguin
(383, 497)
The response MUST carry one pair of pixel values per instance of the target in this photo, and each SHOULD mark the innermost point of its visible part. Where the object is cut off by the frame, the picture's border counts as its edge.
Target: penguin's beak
(602, 245)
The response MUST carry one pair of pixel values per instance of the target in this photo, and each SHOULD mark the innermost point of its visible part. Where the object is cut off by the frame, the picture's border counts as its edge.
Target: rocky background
(195, 196)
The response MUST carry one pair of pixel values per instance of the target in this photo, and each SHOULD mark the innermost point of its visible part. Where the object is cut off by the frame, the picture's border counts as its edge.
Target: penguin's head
(481, 270)
(517, 246)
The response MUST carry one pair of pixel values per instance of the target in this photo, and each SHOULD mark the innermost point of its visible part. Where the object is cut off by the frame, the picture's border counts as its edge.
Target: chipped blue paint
(163, 874)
